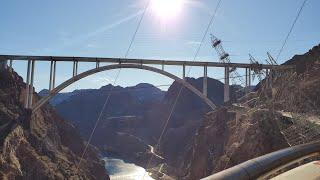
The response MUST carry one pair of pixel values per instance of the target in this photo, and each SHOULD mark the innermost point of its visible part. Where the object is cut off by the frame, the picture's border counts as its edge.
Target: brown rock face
(234, 134)
(228, 138)
(41, 145)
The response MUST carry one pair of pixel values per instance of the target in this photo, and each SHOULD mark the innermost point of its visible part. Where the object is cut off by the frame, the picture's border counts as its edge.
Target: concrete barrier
(255, 168)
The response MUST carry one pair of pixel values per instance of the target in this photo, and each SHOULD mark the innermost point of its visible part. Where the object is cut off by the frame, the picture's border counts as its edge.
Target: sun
(167, 9)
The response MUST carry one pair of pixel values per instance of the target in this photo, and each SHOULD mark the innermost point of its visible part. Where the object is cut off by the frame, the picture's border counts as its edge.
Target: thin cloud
(71, 41)
(113, 25)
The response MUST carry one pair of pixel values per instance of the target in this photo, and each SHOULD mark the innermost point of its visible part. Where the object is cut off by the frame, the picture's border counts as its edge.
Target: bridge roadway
(140, 61)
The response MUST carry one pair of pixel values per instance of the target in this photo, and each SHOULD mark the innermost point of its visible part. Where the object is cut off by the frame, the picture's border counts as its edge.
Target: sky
(104, 28)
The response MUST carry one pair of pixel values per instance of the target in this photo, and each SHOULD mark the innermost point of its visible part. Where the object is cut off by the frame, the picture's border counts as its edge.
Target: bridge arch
(74, 79)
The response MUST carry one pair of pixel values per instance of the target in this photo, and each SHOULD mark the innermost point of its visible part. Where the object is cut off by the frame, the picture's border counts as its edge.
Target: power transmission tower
(223, 55)
(257, 68)
(271, 61)
(225, 58)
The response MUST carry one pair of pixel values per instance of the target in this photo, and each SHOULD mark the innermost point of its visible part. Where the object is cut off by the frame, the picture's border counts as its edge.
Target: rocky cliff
(40, 145)
(275, 116)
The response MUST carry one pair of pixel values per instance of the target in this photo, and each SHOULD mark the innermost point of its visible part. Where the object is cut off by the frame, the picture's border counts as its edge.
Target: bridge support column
(10, 65)
(75, 68)
(50, 81)
(76, 72)
(29, 84)
(52, 75)
(184, 72)
(246, 86)
(249, 78)
(205, 81)
(97, 64)
(226, 84)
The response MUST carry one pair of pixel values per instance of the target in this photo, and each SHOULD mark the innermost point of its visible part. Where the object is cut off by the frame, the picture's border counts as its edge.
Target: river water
(118, 169)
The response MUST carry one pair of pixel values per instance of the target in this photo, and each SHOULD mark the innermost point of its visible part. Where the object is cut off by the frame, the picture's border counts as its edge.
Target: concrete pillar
(74, 69)
(28, 84)
(226, 84)
(205, 81)
(249, 78)
(97, 64)
(10, 64)
(246, 87)
(184, 72)
(51, 71)
(31, 84)
(54, 74)
(162, 67)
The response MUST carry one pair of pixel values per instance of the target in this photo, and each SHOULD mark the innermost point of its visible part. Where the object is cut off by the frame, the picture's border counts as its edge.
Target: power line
(290, 31)
(110, 92)
(181, 88)
(207, 29)
(135, 33)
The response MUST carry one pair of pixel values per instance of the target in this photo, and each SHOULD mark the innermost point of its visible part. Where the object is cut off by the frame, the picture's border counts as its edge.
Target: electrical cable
(290, 31)
(181, 88)
(110, 92)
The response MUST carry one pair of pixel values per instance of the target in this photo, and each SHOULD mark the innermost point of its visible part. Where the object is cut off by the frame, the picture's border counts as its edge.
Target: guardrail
(262, 166)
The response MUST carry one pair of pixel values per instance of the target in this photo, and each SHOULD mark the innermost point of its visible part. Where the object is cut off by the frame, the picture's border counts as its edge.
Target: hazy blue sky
(105, 27)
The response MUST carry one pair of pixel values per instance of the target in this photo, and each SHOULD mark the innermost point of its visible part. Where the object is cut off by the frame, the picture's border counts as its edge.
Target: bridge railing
(263, 166)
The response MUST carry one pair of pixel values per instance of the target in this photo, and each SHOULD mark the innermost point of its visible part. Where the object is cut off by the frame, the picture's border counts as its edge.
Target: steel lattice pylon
(225, 58)
(217, 45)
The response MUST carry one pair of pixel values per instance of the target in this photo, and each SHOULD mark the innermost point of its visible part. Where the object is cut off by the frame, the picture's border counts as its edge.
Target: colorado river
(118, 169)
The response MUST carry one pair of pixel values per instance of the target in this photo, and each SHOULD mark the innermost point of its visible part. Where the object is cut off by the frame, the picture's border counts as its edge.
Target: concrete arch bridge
(6, 61)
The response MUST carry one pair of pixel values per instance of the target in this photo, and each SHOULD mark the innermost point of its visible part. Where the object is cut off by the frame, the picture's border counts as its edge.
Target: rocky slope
(187, 117)
(285, 114)
(40, 145)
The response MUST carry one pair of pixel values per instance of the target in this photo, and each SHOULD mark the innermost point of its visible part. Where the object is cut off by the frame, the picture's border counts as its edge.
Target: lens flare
(167, 9)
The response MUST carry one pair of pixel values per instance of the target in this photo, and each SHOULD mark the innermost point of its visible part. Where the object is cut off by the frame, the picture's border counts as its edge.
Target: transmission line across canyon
(113, 85)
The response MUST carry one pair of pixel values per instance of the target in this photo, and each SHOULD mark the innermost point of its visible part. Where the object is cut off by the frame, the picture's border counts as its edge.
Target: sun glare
(167, 9)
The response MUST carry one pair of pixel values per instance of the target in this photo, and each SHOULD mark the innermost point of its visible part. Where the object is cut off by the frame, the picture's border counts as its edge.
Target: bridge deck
(140, 61)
